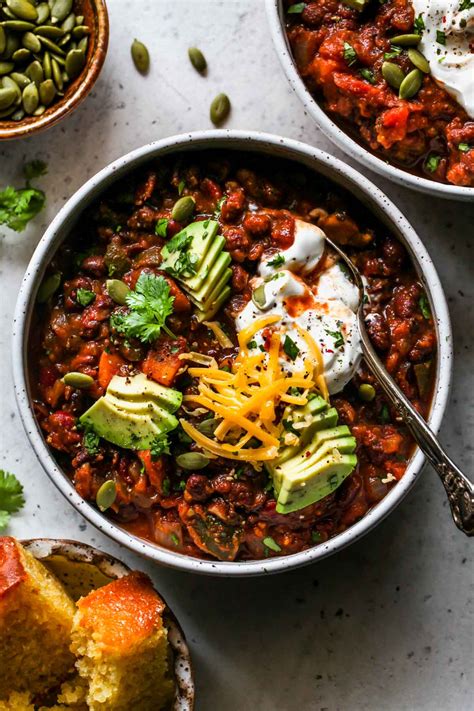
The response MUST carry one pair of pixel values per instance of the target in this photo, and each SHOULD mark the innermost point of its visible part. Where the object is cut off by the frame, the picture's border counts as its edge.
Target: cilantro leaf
(419, 24)
(440, 37)
(338, 337)
(466, 5)
(277, 261)
(150, 304)
(218, 209)
(350, 55)
(290, 348)
(84, 297)
(432, 162)
(91, 442)
(11, 497)
(179, 242)
(296, 8)
(34, 169)
(368, 75)
(18, 207)
(159, 446)
(181, 187)
(161, 227)
(464, 147)
(394, 52)
(424, 306)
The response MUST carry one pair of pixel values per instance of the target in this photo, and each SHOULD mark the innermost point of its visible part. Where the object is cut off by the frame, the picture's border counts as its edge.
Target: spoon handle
(459, 489)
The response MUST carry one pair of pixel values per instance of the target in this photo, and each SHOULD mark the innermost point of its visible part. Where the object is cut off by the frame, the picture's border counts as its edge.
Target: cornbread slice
(17, 701)
(36, 616)
(121, 646)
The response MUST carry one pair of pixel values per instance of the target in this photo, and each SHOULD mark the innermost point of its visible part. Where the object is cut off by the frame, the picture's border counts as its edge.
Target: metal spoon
(459, 489)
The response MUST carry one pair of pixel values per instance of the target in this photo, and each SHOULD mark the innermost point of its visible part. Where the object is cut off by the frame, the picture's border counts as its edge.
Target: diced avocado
(202, 234)
(319, 421)
(214, 276)
(214, 294)
(300, 489)
(195, 282)
(124, 429)
(160, 415)
(345, 445)
(214, 308)
(139, 387)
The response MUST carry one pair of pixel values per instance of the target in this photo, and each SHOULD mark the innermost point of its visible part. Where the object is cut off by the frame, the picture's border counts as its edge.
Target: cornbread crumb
(36, 617)
(122, 646)
(17, 701)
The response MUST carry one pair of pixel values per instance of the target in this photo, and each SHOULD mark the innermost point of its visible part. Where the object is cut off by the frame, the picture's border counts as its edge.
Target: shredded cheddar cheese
(246, 399)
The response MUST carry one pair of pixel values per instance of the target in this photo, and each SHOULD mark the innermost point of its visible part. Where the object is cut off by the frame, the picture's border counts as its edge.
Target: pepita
(392, 74)
(31, 42)
(78, 380)
(69, 22)
(30, 98)
(43, 12)
(6, 67)
(18, 25)
(49, 286)
(140, 56)
(208, 427)
(13, 43)
(39, 111)
(47, 68)
(106, 495)
(198, 60)
(7, 97)
(65, 40)
(3, 40)
(47, 92)
(79, 19)
(80, 31)
(411, 84)
(60, 9)
(75, 61)
(408, 40)
(50, 31)
(21, 79)
(18, 115)
(9, 83)
(117, 290)
(57, 75)
(21, 55)
(183, 208)
(82, 46)
(418, 60)
(7, 112)
(23, 9)
(35, 72)
(258, 297)
(52, 46)
(220, 109)
(192, 460)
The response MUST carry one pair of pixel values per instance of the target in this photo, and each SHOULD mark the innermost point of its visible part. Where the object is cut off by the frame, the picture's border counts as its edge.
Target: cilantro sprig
(19, 206)
(84, 297)
(150, 304)
(159, 446)
(277, 261)
(11, 497)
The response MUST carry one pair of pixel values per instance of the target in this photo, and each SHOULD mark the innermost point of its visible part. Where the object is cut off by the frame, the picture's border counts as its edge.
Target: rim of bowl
(267, 144)
(113, 568)
(80, 88)
(337, 135)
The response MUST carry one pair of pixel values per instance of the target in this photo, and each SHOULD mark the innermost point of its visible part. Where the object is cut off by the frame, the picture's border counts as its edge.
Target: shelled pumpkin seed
(43, 47)
(411, 84)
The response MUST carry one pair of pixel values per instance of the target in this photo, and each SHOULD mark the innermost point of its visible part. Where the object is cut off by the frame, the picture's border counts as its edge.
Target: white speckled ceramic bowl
(337, 135)
(82, 568)
(264, 144)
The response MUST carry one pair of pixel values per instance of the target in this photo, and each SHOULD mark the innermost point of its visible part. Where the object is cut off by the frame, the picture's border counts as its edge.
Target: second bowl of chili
(186, 497)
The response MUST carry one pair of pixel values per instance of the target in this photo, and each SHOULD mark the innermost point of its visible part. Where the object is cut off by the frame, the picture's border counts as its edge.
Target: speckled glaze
(105, 568)
(332, 131)
(266, 144)
(95, 13)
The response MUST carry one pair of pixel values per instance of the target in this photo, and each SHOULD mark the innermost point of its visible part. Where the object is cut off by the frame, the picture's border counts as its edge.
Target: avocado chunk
(139, 387)
(133, 412)
(300, 489)
(196, 239)
(207, 286)
(125, 429)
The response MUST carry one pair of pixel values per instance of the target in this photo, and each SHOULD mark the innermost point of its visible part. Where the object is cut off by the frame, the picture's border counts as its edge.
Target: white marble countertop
(387, 624)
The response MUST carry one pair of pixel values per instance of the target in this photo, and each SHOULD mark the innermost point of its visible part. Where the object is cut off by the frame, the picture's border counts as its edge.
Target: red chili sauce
(226, 510)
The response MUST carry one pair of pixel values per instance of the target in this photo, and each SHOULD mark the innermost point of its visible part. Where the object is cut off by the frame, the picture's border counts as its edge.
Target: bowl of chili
(335, 58)
(198, 510)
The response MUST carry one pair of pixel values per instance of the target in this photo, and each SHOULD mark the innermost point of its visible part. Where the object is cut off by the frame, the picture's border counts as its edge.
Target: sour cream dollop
(326, 311)
(451, 63)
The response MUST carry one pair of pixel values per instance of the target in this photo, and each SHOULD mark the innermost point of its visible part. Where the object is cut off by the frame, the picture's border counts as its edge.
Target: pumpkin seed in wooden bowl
(51, 54)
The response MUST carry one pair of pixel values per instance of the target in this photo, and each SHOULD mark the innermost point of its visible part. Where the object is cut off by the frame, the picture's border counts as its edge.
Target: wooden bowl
(82, 568)
(95, 15)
